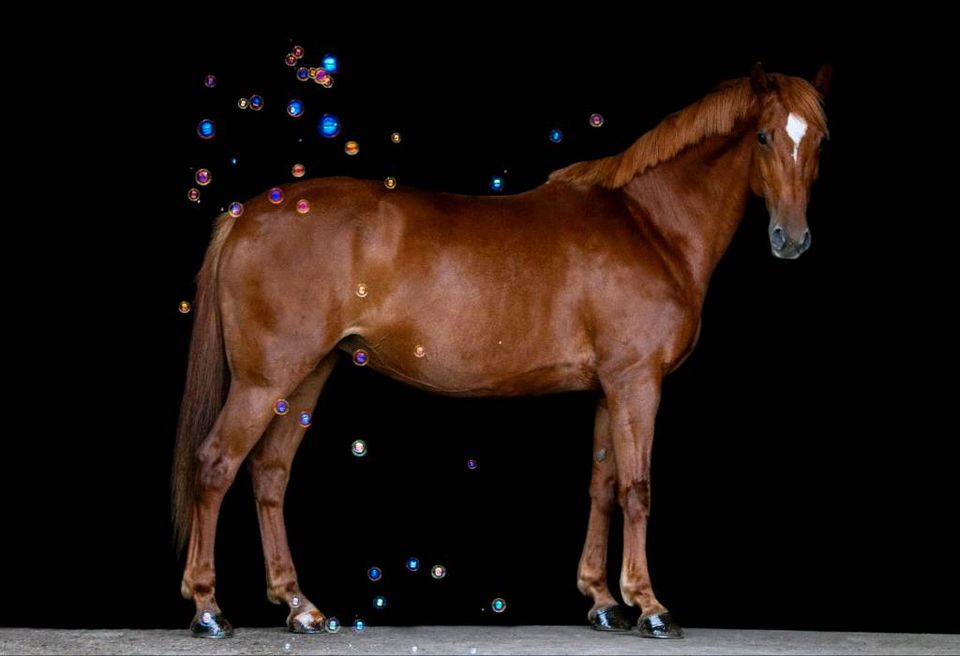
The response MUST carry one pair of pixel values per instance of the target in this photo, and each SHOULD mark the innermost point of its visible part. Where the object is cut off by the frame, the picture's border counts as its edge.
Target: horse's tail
(207, 379)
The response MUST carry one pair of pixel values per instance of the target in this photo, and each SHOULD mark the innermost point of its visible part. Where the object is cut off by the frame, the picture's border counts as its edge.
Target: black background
(802, 475)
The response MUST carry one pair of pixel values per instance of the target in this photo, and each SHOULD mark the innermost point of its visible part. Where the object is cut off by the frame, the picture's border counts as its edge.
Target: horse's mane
(717, 113)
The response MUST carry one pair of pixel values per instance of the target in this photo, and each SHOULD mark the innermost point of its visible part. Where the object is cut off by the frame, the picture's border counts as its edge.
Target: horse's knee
(269, 482)
(214, 472)
(634, 498)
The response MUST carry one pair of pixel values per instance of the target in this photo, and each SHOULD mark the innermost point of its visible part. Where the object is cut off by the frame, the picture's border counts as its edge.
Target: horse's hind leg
(270, 471)
(605, 615)
(245, 415)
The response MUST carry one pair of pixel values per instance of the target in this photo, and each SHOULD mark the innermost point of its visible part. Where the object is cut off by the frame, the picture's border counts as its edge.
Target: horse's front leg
(605, 614)
(269, 465)
(633, 399)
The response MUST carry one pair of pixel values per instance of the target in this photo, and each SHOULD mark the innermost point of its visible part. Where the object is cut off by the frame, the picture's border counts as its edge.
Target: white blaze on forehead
(796, 128)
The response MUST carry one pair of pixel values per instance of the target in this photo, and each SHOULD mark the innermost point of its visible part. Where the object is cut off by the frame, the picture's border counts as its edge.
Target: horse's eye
(762, 137)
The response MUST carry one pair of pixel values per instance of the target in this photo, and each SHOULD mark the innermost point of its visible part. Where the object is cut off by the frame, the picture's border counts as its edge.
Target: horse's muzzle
(785, 246)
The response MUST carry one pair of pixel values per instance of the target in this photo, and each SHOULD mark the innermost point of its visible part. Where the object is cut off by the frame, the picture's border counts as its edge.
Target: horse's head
(790, 129)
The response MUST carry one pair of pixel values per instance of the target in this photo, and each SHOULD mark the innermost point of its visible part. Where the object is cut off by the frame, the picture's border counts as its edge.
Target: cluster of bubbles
(358, 448)
(322, 74)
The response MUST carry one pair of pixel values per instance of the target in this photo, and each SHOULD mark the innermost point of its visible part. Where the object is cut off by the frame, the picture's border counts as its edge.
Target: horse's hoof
(659, 625)
(609, 618)
(211, 625)
(309, 621)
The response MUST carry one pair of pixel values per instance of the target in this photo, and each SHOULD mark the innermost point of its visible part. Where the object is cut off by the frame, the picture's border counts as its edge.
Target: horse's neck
(697, 200)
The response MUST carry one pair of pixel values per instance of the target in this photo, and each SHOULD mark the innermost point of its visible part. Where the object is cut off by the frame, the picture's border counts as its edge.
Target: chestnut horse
(592, 281)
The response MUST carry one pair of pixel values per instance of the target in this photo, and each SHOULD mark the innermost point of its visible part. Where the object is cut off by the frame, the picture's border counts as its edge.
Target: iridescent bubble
(351, 148)
(419, 351)
(596, 120)
(297, 51)
(413, 563)
(498, 605)
(206, 618)
(275, 195)
(556, 136)
(295, 108)
(390, 182)
(471, 464)
(298, 170)
(305, 418)
(360, 357)
(206, 129)
(295, 602)
(331, 64)
(235, 209)
(290, 59)
(438, 571)
(362, 290)
(332, 625)
(359, 448)
(243, 103)
(326, 81)
(281, 407)
(203, 177)
(193, 194)
(396, 138)
(379, 602)
(303, 73)
(359, 625)
(496, 183)
(329, 126)
(303, 206)
(374, 573)
(287, 646)
(184, 307)
(256, 102)
(210, 81)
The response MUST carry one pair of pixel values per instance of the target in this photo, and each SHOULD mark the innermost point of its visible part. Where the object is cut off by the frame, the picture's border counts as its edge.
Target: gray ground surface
(469, 640)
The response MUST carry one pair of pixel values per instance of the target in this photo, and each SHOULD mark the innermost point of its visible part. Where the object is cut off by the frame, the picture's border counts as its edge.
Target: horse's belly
(493, 367)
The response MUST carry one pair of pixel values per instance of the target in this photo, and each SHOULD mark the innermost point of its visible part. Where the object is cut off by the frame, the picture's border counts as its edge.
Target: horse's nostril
(777, 238)
(805, 244)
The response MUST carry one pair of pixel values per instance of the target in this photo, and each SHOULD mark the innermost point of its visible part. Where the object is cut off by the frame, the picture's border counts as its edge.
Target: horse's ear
(822, 81)
(758, 78)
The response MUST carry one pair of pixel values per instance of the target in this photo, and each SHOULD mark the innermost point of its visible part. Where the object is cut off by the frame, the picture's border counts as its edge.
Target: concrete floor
(470, 640)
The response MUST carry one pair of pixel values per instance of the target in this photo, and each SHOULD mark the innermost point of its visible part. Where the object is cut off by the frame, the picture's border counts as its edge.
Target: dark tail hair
(207, 379)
